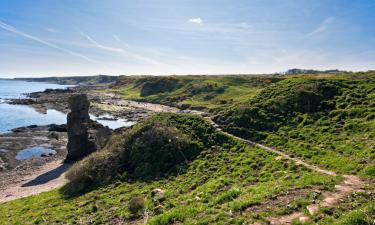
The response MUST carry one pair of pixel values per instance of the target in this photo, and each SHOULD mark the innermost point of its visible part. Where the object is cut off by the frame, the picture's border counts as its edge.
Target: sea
(13, 116)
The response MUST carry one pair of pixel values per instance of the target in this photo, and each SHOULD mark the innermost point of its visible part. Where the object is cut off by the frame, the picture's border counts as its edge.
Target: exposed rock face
(79, 145)
(84, 136)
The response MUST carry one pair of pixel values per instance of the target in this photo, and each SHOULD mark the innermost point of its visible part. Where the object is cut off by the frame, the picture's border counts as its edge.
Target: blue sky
(84, 37)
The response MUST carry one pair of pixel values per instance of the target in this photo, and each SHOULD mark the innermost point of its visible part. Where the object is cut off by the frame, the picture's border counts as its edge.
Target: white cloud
(124, 52)
(96, 44)
(37, 39)
(196, 20)
(322, 27)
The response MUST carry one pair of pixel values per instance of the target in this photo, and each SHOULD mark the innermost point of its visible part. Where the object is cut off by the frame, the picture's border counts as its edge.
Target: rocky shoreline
(29, 138)
(104, 106)
(102, 103)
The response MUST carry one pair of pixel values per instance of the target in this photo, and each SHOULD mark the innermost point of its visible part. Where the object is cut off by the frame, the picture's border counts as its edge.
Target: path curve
(51, 175)
(351, 183)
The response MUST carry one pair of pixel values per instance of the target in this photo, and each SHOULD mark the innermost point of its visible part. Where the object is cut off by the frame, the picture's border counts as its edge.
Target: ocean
(13, 116)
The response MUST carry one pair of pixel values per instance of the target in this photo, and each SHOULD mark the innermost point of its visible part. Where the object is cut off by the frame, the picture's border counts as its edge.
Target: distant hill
(310, 71)
(82, 80)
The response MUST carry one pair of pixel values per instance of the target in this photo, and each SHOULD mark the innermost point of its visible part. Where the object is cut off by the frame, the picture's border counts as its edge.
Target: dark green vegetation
(194, 92)
(155, 148)
(81, 80)
(329, 122)
(217, 180)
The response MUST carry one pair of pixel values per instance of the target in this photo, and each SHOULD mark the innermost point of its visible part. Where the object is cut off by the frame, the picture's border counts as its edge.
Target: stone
(58, 128)
(78, 121)
(158, 194)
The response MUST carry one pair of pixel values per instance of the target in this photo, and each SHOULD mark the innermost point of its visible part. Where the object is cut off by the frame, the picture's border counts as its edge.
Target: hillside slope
(329, 122)
(224, 181)
(194, 92)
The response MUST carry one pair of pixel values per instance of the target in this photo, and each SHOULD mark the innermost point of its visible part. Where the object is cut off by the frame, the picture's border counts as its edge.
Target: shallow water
(113, 124)
(34, 152)
(13, 116)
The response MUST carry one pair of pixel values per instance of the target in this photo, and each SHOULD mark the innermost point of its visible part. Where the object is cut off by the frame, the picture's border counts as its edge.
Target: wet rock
(58, 128)
(19, 130)
(78, 121)
(53, 135)
(26, 101)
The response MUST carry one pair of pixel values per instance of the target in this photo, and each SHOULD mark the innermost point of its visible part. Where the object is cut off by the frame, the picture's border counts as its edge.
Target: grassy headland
(175, 168)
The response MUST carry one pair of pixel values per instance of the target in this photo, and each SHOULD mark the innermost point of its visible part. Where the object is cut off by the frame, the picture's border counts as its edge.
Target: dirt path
(42, 179)
(350, 183)
(50, 176)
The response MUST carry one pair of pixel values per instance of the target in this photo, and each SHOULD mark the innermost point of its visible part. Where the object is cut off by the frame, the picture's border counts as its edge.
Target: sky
(88, 37)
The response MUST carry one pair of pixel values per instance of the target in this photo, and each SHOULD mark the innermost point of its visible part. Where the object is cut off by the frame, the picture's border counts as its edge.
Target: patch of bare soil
(29, 176)
(39, 179)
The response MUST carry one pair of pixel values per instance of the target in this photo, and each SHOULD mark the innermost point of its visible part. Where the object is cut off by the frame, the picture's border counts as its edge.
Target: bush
(97, 168)
(136, 204)
(282, 104)
(157, 147)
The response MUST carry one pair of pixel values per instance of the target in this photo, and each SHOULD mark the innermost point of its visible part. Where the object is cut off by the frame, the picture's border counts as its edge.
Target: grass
(217, 187)
(204, 92)
(327, 120)
(337, 132)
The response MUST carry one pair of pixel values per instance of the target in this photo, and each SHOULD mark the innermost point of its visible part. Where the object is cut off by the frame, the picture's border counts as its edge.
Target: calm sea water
(13, 116)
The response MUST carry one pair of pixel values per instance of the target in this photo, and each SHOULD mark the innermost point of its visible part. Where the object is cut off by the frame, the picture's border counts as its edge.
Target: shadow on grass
(73, 190)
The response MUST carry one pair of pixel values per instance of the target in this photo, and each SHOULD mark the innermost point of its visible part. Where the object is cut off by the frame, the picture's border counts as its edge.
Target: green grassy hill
(178, 169)
(197, 92)
(329, 122)
(210, 179)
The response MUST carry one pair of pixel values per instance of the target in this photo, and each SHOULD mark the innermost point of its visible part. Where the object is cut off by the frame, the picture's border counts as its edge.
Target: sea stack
(78, 121)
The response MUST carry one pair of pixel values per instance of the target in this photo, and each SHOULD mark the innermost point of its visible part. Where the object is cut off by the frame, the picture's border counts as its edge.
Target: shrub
(136, 204)
(97, 168)
(157, 147)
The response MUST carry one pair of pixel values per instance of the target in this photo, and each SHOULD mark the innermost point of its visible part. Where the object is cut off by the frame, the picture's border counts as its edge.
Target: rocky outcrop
(84, 136)
(78, 120)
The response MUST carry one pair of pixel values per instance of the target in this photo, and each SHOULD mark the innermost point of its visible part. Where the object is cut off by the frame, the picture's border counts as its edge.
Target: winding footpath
(51, 175)
(351, 183)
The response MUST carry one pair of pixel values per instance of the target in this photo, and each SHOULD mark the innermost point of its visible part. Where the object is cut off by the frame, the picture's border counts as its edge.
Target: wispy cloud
(197, 20)
(117, 38)
(14, 30)
(96, 44)
(53, 30)
(121, 51)
(322, 27)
